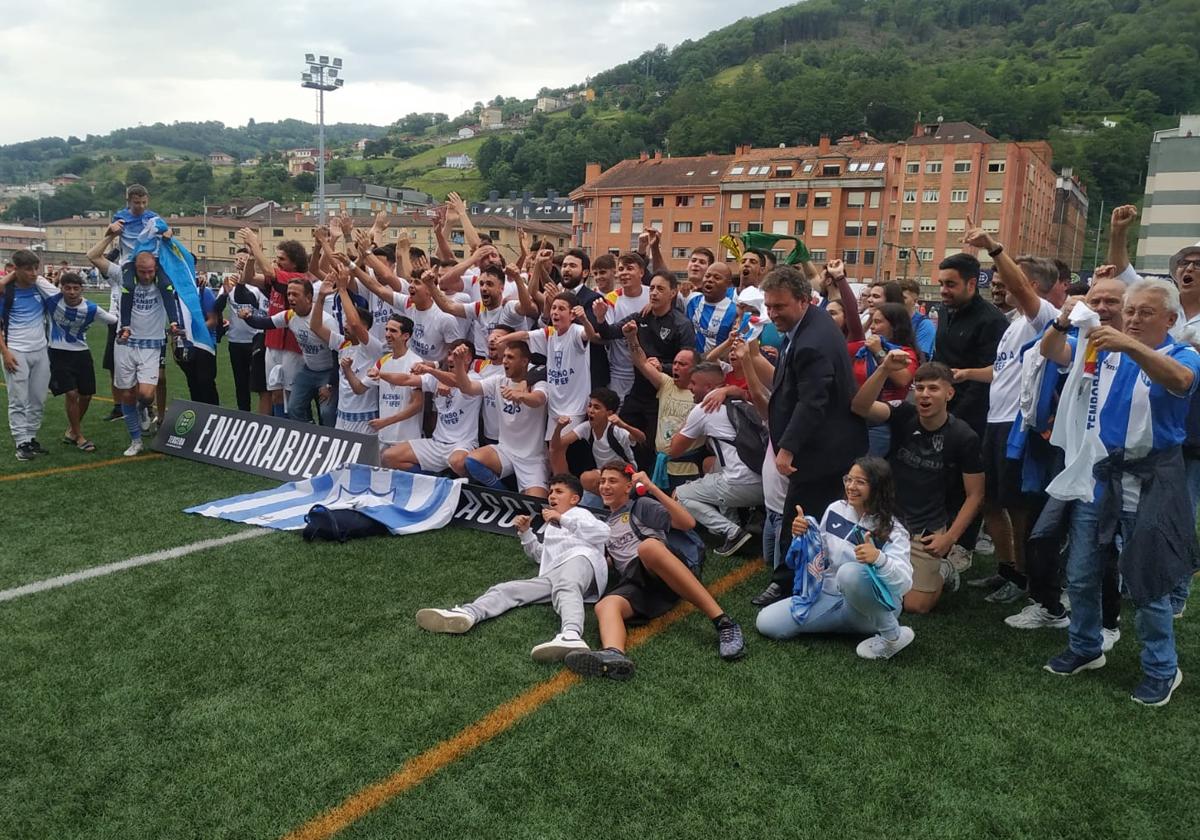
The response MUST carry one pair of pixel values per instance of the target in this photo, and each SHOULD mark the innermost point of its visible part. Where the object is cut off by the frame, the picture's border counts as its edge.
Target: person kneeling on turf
(571, 570)
(651, 579)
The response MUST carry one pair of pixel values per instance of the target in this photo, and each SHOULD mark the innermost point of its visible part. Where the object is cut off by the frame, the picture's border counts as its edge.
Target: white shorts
(290, 361)
(135, 365)
(434, 456)
(530, 472)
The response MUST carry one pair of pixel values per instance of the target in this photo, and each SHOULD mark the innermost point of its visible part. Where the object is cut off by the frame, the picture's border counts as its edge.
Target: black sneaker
(115, 414)
(730, 642)
(732, 543)
(608, 662)
(774, 592)
(38, 448)
(25, 452)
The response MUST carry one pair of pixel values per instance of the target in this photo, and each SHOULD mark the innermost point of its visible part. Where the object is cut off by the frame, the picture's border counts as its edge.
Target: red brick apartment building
(887, 210)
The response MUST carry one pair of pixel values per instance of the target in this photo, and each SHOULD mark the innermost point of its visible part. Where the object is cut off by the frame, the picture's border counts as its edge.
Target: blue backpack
(686, 545)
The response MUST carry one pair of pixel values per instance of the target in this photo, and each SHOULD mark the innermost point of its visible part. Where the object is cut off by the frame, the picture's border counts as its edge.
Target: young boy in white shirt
(611, 438)
(572, 570)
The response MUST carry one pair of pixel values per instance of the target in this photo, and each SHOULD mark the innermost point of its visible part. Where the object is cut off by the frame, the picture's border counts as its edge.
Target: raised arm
(1122, 219)
(866, 402)
(470, 235)
(96, 254)
(460, 363)
(250, 239)
(1015, 281)
(680, 518)
(835, 271)
(317, 322)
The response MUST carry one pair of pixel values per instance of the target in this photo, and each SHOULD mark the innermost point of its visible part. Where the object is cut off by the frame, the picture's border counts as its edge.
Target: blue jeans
(879, 440)
(1085, 571)
(855, 610)
(774, 546)
(305, 389)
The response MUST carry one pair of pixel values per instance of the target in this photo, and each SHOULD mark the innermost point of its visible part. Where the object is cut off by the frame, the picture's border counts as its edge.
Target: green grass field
(241, 692)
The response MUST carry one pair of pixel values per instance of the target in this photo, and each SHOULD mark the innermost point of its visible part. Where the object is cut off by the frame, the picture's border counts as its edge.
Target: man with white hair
(1137, 395)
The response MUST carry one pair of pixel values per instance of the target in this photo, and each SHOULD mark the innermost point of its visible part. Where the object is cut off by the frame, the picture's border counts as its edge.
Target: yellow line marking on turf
(419, 768)
(57, 470)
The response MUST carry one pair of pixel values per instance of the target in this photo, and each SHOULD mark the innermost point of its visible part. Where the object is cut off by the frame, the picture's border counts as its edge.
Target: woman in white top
(864, 548)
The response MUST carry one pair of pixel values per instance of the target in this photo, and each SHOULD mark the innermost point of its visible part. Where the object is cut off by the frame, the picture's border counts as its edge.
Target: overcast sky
(80, 68)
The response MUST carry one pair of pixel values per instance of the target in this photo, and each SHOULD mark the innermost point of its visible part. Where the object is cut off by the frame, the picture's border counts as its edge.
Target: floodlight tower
(322, 76)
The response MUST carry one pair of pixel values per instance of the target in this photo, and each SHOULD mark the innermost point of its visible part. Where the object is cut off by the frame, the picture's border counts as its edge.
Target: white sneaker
(557, 648)
(1109, 638)
(1036, 616)
(1007, 593)
(878, 647)
(456, 620)
(144, 416)
(960, 558)
(950, 577)
(135, 448)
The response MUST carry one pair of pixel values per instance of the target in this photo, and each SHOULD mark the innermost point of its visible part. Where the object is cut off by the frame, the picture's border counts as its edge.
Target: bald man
(713, 310)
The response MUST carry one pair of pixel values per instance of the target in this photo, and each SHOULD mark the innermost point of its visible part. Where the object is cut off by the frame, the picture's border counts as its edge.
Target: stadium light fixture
(321, 77)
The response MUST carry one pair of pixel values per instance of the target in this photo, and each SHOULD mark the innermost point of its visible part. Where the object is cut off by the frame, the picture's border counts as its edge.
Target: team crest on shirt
(937, 441)
(625, 518)
(664, 332)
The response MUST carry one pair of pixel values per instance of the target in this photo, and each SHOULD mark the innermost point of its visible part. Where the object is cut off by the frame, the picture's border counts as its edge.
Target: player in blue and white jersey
(72, 372)
(713, 310)
(23, 350)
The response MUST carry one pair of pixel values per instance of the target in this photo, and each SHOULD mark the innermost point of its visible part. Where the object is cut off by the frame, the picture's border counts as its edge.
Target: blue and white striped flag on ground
(404, 502)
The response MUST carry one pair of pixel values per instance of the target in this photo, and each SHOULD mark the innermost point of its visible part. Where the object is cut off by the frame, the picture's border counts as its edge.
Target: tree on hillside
(139, 174)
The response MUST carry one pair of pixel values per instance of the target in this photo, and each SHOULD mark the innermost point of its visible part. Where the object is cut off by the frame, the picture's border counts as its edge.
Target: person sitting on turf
(859, 533)
(611, 438)
(571, 571)
(650, 578)
(520, 449)
(932, 452)
(735, 485)
(457, 428)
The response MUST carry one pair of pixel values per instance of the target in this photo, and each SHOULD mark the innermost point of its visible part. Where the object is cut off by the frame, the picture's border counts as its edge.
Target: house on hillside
(458, 162)
(65, 180)
(220, 159)
(466, 132)
(491, 118)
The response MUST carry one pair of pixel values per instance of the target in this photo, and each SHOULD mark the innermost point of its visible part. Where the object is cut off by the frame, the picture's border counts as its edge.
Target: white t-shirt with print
(458, 414)
(362, 359)
(717, 426)
(1004, 396)
(522, 427)
(568, 368)
(395, 398)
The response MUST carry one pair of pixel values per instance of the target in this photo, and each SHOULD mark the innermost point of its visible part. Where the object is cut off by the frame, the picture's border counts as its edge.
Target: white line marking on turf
(132, 562)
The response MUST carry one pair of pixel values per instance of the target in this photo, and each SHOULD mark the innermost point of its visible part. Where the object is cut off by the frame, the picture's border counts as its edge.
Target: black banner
(484, 509)
(274, 447)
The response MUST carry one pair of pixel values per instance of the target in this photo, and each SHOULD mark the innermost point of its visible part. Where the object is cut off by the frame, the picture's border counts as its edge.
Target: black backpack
(749, 433)
(10, 295)
(321, 523)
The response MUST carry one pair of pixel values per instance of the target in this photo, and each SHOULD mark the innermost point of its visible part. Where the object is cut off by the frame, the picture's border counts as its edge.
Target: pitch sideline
(60, 581)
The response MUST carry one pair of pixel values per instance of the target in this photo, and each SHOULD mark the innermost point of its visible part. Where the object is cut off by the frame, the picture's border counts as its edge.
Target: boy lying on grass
(571, 570)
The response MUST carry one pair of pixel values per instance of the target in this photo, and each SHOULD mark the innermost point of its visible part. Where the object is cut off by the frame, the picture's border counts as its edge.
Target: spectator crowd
(872, 445)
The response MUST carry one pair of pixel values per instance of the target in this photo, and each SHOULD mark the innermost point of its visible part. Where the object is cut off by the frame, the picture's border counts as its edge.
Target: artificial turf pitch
(243, 691)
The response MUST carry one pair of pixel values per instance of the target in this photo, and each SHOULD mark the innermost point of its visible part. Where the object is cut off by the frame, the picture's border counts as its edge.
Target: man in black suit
(810, 422)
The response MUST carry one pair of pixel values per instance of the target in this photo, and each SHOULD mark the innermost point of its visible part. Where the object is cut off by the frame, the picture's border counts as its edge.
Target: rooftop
(948, 132)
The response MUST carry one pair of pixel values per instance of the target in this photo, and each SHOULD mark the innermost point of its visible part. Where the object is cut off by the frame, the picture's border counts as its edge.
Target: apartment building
(887, 210)
(213, 240)
(1171, 210)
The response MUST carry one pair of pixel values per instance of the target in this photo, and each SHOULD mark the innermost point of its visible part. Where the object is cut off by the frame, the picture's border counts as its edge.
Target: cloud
(73, 68)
